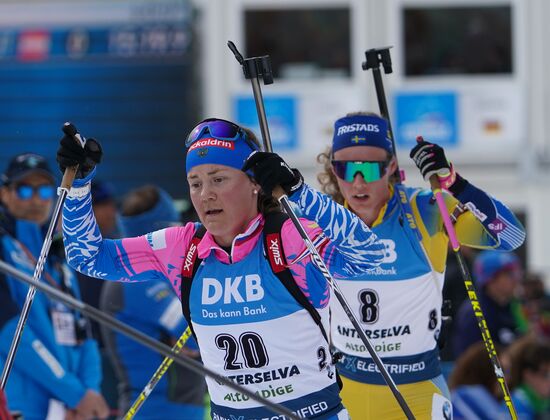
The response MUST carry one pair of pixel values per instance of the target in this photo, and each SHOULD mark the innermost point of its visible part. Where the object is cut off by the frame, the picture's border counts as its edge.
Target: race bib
(64, 327)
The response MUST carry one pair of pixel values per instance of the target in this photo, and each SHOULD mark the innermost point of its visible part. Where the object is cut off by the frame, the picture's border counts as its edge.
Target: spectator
(454, 293)
(475, 391)
(497, 275)
(57, 365)
(530, 377)
(535, 303)
(104, 203)
(180, 393)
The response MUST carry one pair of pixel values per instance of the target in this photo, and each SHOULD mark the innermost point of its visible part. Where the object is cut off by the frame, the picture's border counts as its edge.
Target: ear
(392, 166)
(332, 170)
(255, 185)
(255, 188)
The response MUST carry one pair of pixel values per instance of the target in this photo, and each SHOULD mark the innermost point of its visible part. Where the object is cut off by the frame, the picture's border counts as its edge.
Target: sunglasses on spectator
(370, 170)
(25, 192)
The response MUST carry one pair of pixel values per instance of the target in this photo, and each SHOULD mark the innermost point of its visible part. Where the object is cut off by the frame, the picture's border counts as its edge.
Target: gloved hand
(271, 170)
(71, 153)
(430, 159)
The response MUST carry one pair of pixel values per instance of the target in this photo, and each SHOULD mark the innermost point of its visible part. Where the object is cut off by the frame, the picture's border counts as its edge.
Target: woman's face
(539, 380)
(365, 199)
(225, 199)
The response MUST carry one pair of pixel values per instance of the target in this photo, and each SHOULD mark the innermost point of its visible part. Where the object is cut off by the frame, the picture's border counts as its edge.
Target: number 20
(250, 344)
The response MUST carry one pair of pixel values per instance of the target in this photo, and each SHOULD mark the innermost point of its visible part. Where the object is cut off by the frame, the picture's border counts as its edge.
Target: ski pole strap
(274, 248)
(191, 264)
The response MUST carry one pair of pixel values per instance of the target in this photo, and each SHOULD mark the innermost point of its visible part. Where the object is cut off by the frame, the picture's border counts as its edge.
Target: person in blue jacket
(497, 276)
(56, 370)
(180, 393)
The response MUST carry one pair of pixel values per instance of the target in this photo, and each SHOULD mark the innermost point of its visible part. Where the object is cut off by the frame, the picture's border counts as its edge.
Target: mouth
(213, 212)
(360, 197)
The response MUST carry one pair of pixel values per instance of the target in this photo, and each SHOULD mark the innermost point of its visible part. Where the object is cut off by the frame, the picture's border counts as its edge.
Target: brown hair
(139, 200)
(266, 203)
(527, 353)
(327, 179)
(474, 367)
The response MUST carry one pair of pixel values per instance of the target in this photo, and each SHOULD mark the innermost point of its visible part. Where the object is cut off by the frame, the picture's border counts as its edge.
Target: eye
(195, 185)
(218, 179)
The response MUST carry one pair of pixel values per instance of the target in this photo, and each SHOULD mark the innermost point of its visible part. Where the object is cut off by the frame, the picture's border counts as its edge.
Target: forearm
(130, 259)
(346, 231)
(497, 219)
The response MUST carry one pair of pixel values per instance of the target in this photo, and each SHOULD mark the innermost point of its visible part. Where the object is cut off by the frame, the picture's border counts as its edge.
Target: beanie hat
(489, 263)
(208, 149)
(361, 130)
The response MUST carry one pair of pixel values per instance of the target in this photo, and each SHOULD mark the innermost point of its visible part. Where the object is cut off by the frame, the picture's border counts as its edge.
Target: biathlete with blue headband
(248, 325)
(399, 302)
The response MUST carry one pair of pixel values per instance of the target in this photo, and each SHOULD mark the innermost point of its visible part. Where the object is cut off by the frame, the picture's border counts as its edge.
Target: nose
(358, 180)
(206, 192)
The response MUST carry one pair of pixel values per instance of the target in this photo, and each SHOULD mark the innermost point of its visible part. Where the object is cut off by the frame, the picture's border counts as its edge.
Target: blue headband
(361, 130)
(230, 153)
(162, 215)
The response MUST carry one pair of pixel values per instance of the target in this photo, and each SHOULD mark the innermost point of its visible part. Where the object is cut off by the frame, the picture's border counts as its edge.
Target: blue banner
(281, 119)
(432, 115)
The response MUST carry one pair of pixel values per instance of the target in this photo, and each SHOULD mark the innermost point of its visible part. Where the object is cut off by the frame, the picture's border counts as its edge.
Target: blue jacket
(474, 402)
(153, 308)
(500, 321)
(43, 369)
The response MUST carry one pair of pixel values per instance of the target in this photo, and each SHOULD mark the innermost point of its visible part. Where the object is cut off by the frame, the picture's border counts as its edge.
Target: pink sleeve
(157, 254)
(307, 276)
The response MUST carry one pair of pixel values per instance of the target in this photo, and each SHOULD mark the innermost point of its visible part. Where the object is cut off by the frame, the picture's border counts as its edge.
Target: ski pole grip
(434, 183)
(70, 172)
(278, 192)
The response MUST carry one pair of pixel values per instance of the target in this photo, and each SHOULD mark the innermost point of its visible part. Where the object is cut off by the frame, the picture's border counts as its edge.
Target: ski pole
(62, 191)
(471, 291)
(141, 338)
(374, 57)
(166, 363)
(253, 69)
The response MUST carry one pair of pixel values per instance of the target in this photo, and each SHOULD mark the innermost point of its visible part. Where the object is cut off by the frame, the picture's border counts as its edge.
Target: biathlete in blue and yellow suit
(399, 302)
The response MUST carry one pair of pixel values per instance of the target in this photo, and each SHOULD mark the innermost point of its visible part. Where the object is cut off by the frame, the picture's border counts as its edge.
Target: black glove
(271, 170)
(430, 159)
(71, 153)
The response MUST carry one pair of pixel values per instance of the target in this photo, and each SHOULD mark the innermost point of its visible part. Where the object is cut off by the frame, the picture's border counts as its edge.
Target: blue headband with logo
(361, 130)
(207, 149)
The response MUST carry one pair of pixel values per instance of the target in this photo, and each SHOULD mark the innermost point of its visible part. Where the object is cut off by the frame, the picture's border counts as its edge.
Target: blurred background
(138, 74)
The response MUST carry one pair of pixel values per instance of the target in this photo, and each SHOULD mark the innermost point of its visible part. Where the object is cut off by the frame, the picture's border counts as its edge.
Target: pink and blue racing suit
(248, 327)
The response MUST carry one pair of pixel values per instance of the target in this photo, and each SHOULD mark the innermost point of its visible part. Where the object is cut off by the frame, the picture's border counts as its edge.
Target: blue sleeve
(89, 371)
(355, 244)
(89, 253)
(497, 219)
(36, 361)
(164, 309)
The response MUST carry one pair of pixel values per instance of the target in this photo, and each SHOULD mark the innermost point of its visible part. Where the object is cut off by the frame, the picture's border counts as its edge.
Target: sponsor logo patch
(209, 142)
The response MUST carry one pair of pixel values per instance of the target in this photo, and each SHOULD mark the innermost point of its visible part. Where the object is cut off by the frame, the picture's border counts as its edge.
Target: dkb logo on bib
(231, 289)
